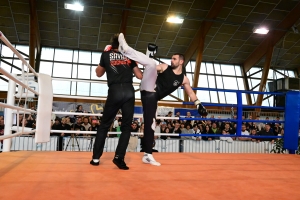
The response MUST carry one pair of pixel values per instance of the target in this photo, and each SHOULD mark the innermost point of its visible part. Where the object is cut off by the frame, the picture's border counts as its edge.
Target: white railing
(85, 143)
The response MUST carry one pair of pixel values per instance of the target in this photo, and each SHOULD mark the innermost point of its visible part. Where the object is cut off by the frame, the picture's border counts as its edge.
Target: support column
(265, 74)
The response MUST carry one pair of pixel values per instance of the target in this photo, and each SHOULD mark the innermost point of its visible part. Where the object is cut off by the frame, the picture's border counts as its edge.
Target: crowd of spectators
(169, 126)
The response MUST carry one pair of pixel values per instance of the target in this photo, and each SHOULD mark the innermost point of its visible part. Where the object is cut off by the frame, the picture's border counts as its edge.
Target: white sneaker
(123, 46)
(148, 159)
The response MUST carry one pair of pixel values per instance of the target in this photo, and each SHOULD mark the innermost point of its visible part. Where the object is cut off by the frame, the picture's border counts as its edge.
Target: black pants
(120, 96)
(149, 101)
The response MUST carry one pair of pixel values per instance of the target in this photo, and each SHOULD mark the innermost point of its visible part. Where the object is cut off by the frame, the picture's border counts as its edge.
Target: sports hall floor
(68, 175)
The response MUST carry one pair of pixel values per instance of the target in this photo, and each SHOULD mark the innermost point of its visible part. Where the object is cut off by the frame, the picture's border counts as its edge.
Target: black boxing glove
(201, 109)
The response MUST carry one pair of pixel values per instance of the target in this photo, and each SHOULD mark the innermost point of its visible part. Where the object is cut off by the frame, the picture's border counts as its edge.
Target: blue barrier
(292, 113)
(219, 135)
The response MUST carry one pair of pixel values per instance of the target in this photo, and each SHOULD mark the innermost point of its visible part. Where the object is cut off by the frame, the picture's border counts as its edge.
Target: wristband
(196, 102)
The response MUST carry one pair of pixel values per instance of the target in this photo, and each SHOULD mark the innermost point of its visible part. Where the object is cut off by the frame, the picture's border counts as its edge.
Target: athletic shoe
(148, 159)
(123, 46)
(94, 163)
(120, 163)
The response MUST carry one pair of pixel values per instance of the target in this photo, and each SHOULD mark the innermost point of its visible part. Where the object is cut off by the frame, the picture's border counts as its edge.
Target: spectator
(228, 139)
(276, 129)
(86, 123)
(254, 133)
(267, 132)
(207, 130)
(182, 127)
(244, 132)
(164, 137)
(79, 109)
(196, 131)
(94, 125)
(77, 125)
(215, 130)
(68, 121)
(188, 116)
(176, 130)
(133, 140)
(163, 127)
(170, 114)
(115, 124)
(171, 128)
(259, 125)
(188, 130)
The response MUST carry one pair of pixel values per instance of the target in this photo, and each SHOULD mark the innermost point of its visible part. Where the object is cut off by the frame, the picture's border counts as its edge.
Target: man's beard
(174, 67)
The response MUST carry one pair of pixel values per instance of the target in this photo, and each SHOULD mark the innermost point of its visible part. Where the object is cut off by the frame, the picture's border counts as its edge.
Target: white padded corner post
(44, 109)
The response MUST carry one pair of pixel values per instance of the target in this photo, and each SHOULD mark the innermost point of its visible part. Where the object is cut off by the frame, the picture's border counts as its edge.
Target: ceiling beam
(125, 17)
(274, 36)
(34, 40)
(265, 72)
(204, 28)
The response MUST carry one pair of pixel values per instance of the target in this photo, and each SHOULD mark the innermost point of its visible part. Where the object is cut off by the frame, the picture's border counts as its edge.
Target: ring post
(8, 118)
(292, 110)
(239, 113)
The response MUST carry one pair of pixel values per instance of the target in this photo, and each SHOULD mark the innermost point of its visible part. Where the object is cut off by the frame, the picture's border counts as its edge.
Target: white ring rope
(15, 134)
(111, 133)
(104, 99)
(5, 40)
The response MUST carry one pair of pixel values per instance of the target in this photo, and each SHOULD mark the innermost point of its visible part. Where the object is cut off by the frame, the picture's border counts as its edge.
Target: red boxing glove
(107, 48)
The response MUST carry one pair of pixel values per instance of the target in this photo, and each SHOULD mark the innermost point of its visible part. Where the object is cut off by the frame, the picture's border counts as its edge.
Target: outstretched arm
(186, 84)
(188, 89)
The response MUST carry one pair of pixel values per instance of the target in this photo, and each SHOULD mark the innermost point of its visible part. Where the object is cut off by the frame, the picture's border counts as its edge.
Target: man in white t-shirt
(244, 132)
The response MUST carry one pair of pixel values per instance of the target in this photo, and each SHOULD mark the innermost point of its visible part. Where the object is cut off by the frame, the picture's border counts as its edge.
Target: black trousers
(120, 96)
(149, 101)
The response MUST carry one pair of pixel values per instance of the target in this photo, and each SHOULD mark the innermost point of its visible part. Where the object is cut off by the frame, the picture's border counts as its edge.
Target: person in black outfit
(267, 132)
(119, 71)
(156, 86)
(57, 126)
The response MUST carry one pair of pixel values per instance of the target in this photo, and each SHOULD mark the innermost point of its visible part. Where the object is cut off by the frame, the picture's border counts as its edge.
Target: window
(23, 48)
(84, 72)
(6, 52)
(228, 70)
(238, 70)
(83, 88)
(96, 58)
(6, 66)
(47, 53)
(217, 69)
(230, 83)
(63, 55)
(46, 67)
(62, 70)
(3, 84)
(202, 82)
(209, 68)
(61, 87)
(85, 57)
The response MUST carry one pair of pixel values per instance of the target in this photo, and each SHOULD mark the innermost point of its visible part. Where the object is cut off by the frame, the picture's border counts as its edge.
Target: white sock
(96, 160)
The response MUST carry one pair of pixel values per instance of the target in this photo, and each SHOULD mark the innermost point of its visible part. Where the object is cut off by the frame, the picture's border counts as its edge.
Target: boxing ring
(215, 170)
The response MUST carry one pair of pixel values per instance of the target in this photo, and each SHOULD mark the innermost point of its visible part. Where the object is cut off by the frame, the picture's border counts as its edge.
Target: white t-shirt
(245, 132)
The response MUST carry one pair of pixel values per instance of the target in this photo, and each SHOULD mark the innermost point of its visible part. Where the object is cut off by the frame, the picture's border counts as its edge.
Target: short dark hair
(114, 41)
(181, 56)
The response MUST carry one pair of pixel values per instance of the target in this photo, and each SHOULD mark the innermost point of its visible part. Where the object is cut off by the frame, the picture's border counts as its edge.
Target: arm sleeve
(133, 64)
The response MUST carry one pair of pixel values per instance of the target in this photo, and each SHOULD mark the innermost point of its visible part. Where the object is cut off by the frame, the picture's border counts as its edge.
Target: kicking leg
(150, 72)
